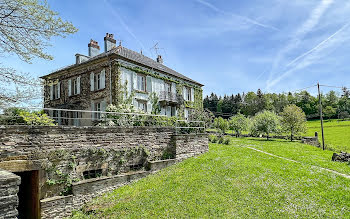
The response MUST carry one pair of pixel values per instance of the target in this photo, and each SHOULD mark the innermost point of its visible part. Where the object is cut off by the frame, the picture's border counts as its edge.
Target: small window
(188, 92)
(167, 87)
(98, 108)
(98, 81)
(142, 105)
(75, 86)
(141, 83)
(89, 174)
(55, 91)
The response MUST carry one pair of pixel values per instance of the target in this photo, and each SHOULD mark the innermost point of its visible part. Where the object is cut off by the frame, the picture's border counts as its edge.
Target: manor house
(99, 79)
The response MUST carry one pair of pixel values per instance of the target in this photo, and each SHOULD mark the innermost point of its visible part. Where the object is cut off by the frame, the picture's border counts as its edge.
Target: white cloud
(243, 18)
(312, 21)
(312, 55)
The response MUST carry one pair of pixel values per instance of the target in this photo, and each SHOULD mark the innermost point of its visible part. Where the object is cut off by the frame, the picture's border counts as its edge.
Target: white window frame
(142, 105)
(188, 94)
(141, 82)
(56, 91)
(97, 81)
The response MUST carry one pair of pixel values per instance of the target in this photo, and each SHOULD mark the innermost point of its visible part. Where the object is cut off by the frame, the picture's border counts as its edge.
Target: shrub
(213, 138)
(221, 140)
(227, 141)
(221, 124)
(17, 116)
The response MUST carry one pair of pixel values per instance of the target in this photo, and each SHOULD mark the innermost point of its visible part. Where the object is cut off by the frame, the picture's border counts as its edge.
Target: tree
(26, 27)
(238, 123)
(266, 122)
(221, 124)
(329, 112)
(293, 120)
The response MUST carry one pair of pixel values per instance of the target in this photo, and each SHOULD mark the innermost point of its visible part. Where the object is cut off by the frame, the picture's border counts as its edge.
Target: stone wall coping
(55, 198)
(161, 161)
(192, 134)
(105, 129)
(106, 178)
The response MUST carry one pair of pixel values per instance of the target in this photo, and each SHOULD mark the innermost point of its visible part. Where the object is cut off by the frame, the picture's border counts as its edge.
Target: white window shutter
(103, 79)
(184, 92)
(149, 107)
(78, 85)
(92, 80)
(58, 90)
(103, 105)
(192, 94)
(173, 88)
(70, 87)
(135, 81)
(149, 84)
(51, 92)
(92, 109)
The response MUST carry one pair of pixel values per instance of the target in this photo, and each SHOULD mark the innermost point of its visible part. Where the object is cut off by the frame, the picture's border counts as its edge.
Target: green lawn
(337, 133)
(232, 181)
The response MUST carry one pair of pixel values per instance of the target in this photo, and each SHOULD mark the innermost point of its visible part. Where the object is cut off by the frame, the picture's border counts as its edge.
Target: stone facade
(9, 185)
(66, 157)
(97, 82)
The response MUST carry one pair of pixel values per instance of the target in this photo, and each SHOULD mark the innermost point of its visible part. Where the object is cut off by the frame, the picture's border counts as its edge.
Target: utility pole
(321, 117)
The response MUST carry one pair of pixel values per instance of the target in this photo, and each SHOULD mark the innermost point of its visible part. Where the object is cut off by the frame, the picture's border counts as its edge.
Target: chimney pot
(110, 42)
(94, 48)
(160, 59)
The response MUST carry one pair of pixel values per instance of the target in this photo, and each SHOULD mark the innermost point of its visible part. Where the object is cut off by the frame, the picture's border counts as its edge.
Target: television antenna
(156, 48)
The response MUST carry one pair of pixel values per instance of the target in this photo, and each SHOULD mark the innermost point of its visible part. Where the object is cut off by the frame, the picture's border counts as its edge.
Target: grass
(337, 133)
(232, 181)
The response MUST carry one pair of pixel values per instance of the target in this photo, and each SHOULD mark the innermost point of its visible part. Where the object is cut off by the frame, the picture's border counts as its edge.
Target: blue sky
(229, 46)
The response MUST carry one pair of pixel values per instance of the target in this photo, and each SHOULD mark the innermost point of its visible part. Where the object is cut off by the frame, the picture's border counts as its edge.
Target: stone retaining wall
(9, 186)
(190, 145)
(63, 154)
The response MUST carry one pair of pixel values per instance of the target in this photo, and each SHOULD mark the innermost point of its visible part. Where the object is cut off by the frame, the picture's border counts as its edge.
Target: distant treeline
(334, 105)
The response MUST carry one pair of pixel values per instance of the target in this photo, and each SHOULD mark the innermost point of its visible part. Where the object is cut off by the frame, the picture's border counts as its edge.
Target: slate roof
(138, 58)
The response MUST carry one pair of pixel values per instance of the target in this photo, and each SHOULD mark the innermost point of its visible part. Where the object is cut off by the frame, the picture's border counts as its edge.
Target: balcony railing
(168, 97)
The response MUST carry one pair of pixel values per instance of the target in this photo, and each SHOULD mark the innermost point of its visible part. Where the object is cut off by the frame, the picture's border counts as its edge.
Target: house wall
(86, 99)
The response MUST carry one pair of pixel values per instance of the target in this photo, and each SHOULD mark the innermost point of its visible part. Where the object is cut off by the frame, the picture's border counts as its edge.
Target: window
(141, 83)
(98, 108)
(167, 87)
(98, 81)
(75, 87)
(188, 92)
(186, 113)
(89, 174)
(98, 84)
(142, 105)
(76, 118)
(55, 91)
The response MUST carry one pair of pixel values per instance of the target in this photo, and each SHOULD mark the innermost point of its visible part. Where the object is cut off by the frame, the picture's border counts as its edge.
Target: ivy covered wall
(179, 83)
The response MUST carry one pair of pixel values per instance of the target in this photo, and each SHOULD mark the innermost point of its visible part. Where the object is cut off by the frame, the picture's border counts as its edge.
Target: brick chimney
(110, 42)
(94, 48)
(160, 59)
